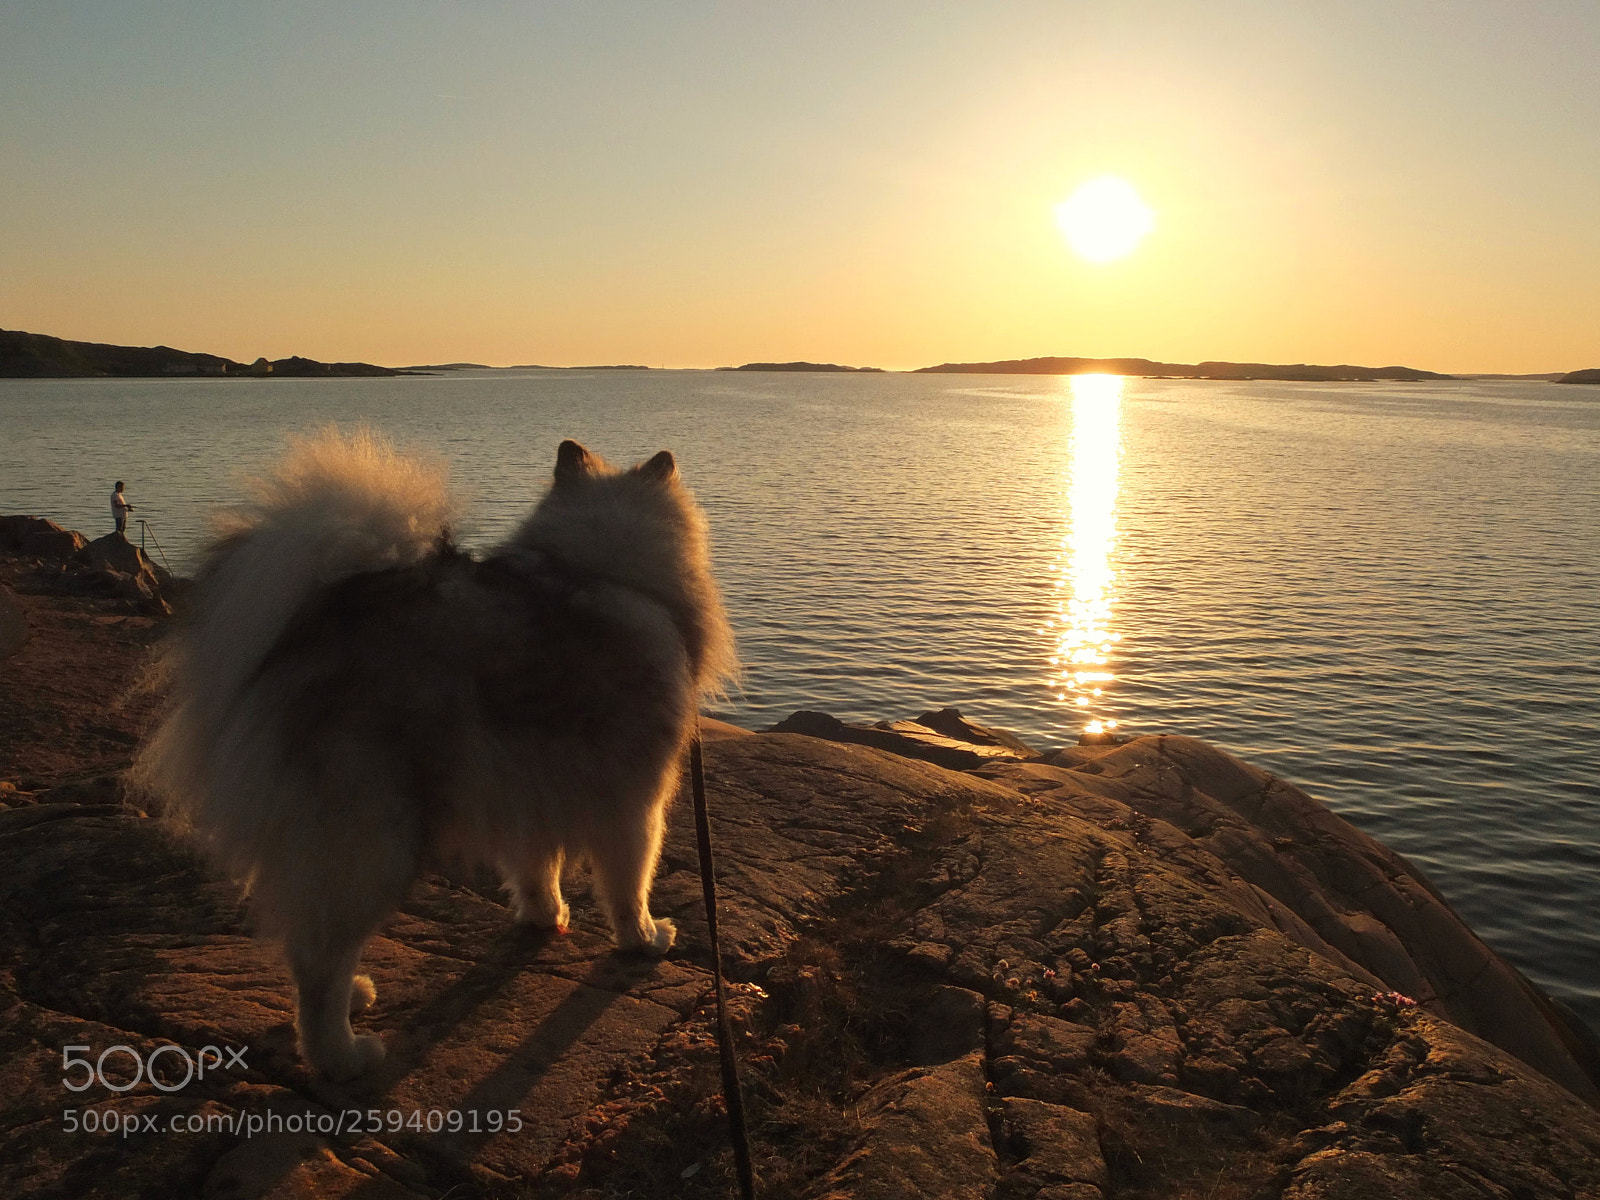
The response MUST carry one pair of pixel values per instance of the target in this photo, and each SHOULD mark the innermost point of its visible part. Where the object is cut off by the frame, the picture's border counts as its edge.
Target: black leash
(732, 1097)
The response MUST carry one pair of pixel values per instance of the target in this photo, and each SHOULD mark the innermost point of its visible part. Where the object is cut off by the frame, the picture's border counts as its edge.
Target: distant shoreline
(41, 356)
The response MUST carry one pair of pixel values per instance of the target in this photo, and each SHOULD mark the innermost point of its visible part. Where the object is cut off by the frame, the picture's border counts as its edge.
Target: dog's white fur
(352, 696)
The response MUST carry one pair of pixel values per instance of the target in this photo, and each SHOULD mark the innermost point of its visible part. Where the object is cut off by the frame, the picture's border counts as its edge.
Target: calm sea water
(1389, 593)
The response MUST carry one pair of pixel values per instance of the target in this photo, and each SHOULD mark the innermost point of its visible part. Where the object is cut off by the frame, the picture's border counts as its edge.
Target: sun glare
(1086, 582)
(1104, 219)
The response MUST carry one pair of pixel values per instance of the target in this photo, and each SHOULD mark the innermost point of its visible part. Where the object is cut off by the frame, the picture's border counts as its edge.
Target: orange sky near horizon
(871, 184)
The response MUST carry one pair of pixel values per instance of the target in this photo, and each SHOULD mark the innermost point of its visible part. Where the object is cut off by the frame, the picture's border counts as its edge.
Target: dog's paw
(663, 934)
(362, 993)
(364, 1054)
(542, 916)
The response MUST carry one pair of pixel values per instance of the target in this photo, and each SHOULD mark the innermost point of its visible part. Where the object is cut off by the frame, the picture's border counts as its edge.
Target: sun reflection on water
(1085, 585)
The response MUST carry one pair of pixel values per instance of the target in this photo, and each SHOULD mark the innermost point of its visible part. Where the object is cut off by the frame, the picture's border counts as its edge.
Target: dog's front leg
(624, 862)
(534, 881)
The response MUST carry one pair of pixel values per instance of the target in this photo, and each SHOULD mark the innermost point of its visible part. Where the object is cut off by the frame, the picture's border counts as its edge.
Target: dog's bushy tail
(337, 505)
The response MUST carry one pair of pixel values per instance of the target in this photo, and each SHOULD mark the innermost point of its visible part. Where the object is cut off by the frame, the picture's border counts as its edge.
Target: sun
(1104, 219)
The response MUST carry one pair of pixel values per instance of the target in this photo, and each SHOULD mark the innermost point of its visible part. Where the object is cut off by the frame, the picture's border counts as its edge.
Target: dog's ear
(573, 462)
(660, 468)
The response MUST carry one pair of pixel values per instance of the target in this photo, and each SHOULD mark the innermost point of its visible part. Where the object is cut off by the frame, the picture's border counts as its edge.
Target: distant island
(800, 366)
(451, 367)
(39, 356)
(1299, 372)
(1588, 375)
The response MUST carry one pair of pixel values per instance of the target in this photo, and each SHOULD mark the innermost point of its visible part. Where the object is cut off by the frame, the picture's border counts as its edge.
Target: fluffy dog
(353, 696)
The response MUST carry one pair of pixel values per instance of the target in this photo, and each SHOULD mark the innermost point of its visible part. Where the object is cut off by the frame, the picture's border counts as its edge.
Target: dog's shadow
(609, 977)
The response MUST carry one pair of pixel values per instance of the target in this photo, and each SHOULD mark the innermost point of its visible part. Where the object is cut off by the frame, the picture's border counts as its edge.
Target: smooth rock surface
(1019, 986)
(1347, 896)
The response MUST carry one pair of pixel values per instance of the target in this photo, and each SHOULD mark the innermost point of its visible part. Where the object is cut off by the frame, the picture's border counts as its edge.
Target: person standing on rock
(120, 508)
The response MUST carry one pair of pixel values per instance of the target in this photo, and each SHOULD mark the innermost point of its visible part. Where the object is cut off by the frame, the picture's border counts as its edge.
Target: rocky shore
(964, 967)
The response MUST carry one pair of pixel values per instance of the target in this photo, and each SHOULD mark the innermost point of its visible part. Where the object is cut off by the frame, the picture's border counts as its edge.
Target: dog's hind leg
(534, 880)
(324, 980)
(624, 863)
(331, 906)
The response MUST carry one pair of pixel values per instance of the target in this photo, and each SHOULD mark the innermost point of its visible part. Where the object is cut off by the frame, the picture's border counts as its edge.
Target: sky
(700, 184)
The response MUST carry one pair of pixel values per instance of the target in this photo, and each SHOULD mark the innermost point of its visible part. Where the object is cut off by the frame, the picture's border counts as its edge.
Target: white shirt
(119, 505)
